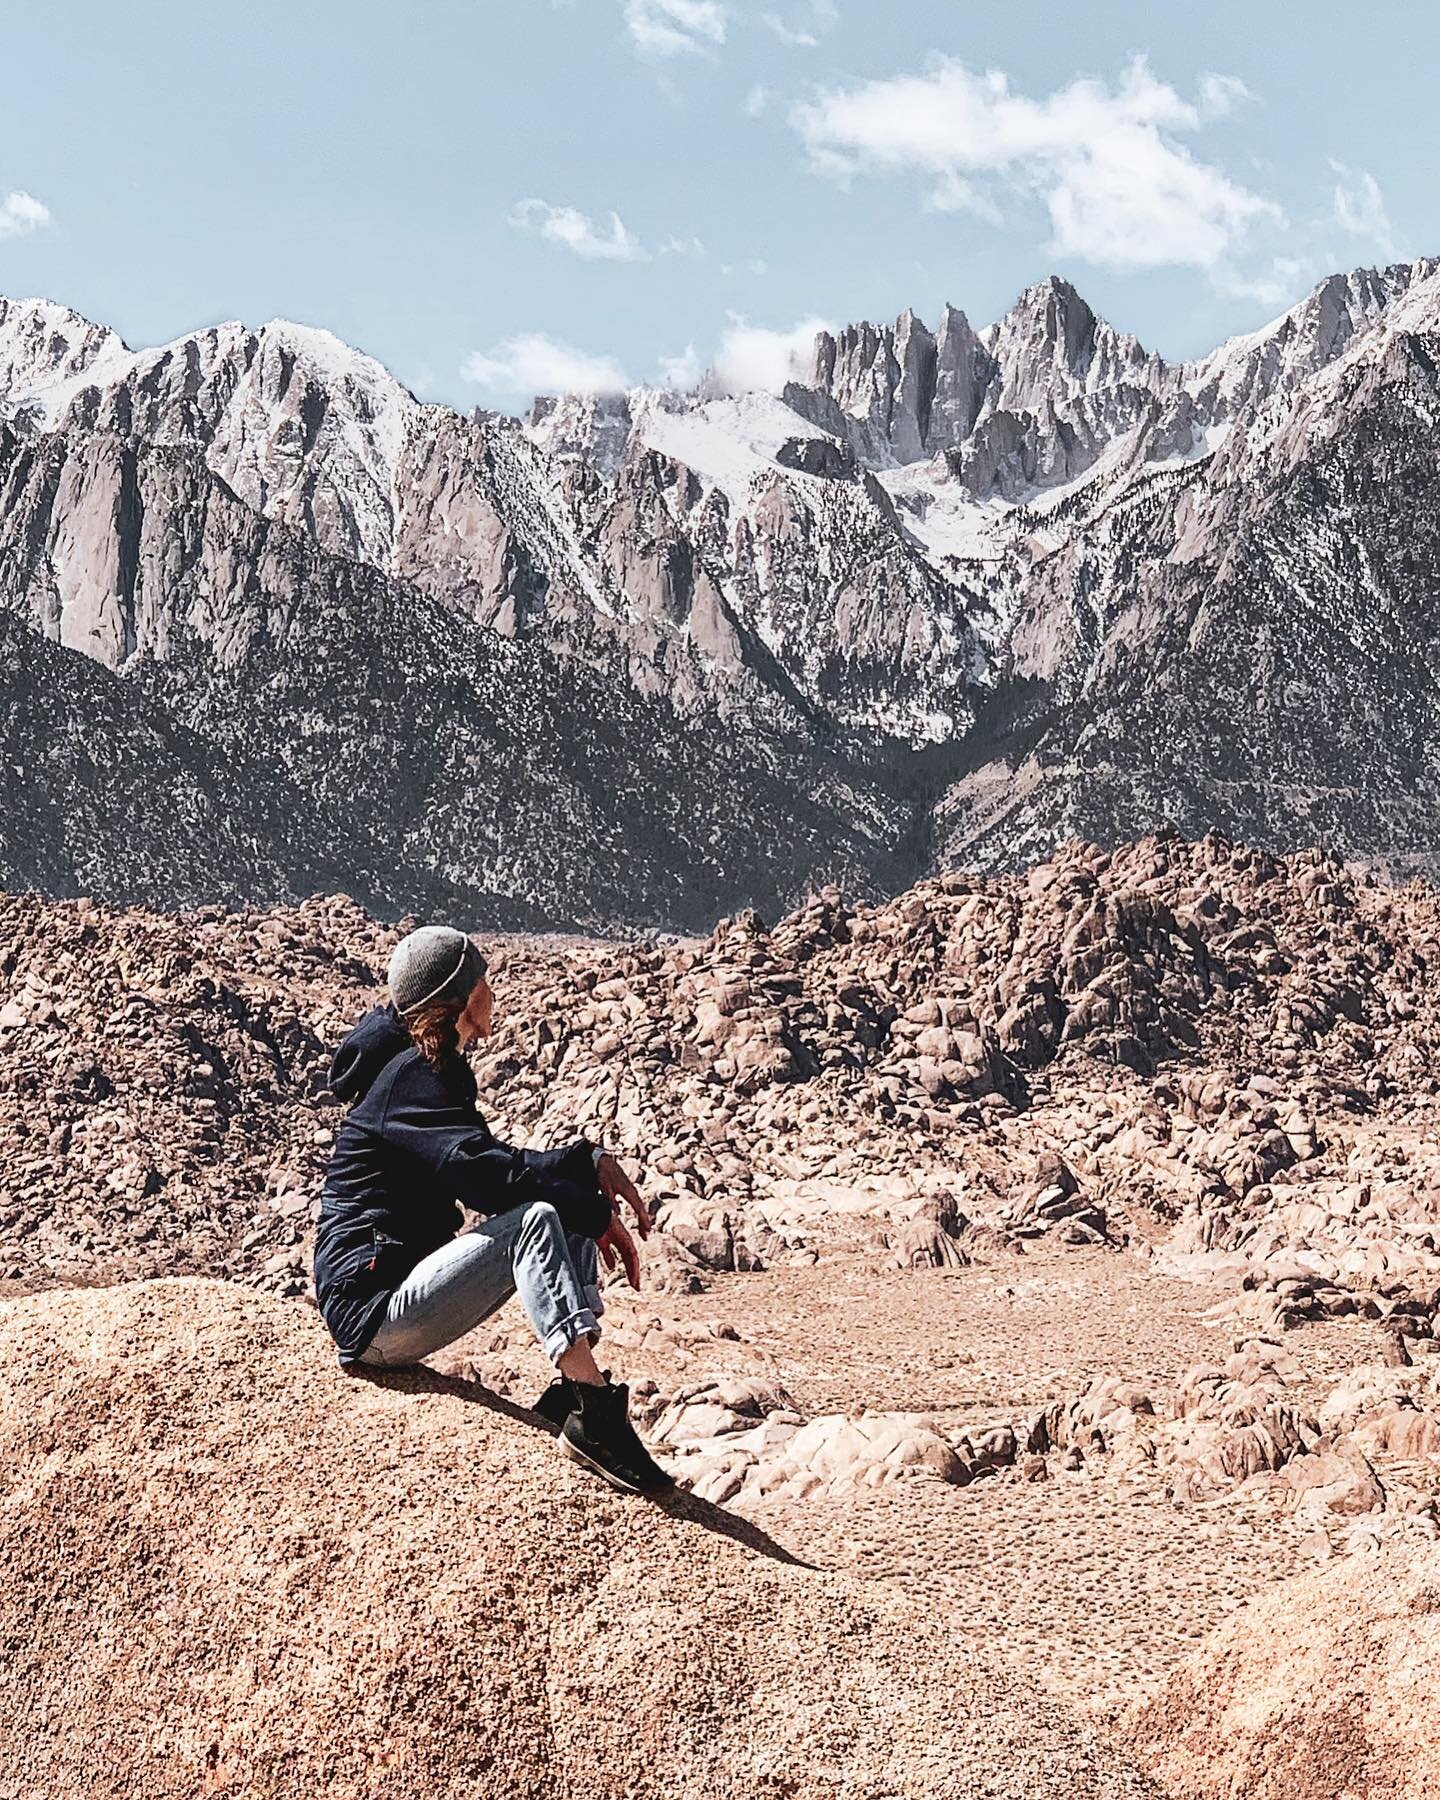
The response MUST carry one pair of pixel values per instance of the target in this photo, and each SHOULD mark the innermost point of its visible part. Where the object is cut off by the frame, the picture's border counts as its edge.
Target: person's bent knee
(541, 1216)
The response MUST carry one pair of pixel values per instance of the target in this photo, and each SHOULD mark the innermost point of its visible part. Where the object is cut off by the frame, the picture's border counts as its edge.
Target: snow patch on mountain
(728, 443)
(943, 517)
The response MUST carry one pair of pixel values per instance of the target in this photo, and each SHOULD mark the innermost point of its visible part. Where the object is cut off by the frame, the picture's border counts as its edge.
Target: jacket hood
(375, 1042)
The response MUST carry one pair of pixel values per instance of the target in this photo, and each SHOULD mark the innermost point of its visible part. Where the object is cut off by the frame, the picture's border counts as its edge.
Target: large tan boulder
(1327, 1688)
(229, 1569)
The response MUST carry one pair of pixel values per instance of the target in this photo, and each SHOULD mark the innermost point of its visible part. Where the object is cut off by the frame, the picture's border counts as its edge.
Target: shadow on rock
(679, 1504)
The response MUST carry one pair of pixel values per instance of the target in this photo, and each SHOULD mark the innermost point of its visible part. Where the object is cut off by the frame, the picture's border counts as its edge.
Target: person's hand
(615, 1185)
(617, 1250)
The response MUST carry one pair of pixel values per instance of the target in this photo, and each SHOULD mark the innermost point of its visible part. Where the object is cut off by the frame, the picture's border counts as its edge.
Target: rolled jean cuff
(569, 1331)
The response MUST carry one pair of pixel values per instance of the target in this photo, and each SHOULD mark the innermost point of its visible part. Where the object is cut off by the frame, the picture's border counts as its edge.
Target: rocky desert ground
(1042, 1322)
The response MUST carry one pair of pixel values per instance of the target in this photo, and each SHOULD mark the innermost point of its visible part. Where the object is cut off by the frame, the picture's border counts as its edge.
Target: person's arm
(585, 1184)
(493, 1178)
(577, 1163)
(428, 1121)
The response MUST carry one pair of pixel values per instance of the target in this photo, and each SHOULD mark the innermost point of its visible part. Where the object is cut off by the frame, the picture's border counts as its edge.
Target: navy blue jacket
(411, 1149)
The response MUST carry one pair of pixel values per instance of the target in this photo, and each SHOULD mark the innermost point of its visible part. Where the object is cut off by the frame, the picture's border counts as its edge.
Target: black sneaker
(557, 1403)
(599, 1434)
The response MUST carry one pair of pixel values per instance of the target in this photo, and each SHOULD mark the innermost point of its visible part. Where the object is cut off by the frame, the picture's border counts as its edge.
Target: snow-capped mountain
(953, 593)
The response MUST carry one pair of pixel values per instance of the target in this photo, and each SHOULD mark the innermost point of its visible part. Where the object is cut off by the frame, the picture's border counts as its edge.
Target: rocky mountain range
(270, 624)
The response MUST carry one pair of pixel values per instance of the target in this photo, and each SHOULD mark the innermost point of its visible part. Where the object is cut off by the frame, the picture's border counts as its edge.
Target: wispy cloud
(682, 371)
(22, 213)
(748, 358)
(1359, 208)
(676, 27)
(755, 357)
(789, 34)
(578, 232)
(1118, 186)
(756, 100)
(421, 380)
(803, 31)
(612, 241)
(532, 363)
(1276, 282)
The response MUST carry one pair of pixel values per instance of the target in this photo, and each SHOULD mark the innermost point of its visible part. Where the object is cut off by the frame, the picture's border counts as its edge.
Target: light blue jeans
(525, 1251)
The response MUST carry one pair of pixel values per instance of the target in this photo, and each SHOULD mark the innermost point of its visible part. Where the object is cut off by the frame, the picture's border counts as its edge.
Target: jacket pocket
(389, 1261)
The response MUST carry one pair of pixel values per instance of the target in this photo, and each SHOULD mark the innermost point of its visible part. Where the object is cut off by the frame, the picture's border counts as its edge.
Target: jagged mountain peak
(910, 321)
(1050, 389)
(952, 318)
(593, 428)
(1053, 298)
(1301, 381)
(50, 355)
(47, 350)
(1054, 312)
(34, 311)
(903, 394)
(1052, 344)
(1274, 360)
(1411, 304)
(333, 357)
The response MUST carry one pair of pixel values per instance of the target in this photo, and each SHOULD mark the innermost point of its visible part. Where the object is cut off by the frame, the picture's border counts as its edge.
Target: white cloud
(1221, 94)
(531, 363)
(1275, 283)
(751, 357)
(672, 27)
(804, 34)
(578, 232)
(787, 34)
(748, 358)
(421, 380)
(1359, 208)
(751, 265)
(1118, 186)
(756, 100)
(682, 371)
(22, 213)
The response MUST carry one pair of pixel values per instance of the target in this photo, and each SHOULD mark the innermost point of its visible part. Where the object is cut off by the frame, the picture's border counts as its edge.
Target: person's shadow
(678, 1503)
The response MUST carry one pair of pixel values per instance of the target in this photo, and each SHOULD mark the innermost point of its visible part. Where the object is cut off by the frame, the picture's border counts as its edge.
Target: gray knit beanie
(437, 962)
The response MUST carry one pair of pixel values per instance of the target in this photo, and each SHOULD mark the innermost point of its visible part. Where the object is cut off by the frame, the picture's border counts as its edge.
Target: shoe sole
(619, 1482)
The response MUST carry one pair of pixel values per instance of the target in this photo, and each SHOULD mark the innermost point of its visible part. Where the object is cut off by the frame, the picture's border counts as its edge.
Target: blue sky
(497, 197)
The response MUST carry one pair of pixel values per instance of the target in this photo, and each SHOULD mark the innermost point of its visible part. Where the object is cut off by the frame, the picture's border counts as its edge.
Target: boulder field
(1051, 1261)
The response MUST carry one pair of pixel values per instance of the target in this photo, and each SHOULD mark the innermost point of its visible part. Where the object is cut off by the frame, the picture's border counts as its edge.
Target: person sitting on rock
(396, 1276)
